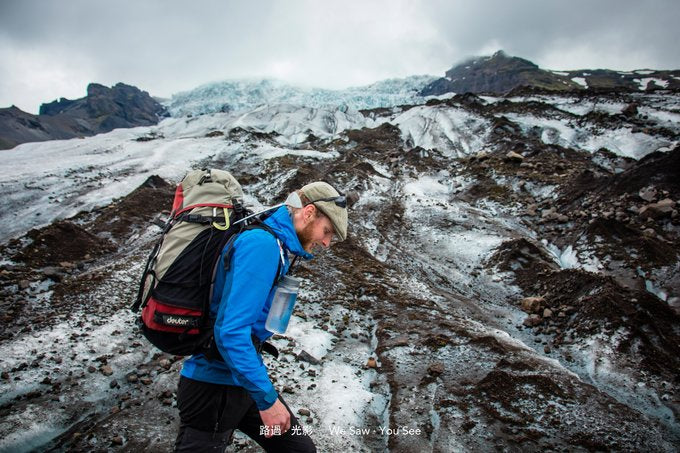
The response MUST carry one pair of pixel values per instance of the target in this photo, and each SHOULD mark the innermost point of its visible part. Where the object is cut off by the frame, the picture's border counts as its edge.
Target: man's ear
(308, 213)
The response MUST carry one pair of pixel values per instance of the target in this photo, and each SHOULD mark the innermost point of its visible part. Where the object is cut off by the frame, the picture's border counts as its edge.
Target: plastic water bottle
(282, 305)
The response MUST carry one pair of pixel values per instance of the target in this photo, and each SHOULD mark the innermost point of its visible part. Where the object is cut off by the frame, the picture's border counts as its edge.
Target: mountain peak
(102, 110)
(498, 62)
(498, 73)
(503, 59)
(501, 73)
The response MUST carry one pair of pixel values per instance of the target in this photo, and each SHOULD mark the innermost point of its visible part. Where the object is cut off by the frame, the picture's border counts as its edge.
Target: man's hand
(277, 415)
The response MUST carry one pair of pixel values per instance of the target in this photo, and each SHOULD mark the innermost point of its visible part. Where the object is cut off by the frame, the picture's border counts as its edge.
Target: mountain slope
(501, 74)
(102, 110)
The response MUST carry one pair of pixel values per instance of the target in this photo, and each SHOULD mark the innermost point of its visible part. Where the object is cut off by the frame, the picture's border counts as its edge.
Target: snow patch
(661, 116)
(452, 131)
(658, 292)
(267, 152)
(345, 396)
(622, 141)
(567, 258)
(315, 341)
(644, 82)
(581, 81)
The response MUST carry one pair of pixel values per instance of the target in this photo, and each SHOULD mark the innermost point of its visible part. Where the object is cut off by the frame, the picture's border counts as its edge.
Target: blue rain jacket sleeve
(255, 259)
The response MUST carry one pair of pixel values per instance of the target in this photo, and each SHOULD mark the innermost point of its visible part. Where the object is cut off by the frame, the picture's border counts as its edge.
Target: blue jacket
(241, 301)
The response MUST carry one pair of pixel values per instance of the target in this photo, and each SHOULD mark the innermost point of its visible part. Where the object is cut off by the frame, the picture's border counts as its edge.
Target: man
(217, 396)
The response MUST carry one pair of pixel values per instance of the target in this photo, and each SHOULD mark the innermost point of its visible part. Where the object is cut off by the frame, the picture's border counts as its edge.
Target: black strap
(213, 353)
(253, 226)
(270, 349)
(200, 219)
(141, 301)
(270, 231)
(292, 263)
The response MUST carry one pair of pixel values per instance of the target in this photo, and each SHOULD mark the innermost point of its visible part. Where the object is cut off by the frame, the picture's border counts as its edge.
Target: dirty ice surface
(50, 180)
(454, 238)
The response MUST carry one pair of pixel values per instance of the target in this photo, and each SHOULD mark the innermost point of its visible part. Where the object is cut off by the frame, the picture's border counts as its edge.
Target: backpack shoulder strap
(211, 352)
(263, 226)
(252, 226)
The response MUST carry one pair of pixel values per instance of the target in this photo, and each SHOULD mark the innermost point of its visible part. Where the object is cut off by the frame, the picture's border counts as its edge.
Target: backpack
(175, 290)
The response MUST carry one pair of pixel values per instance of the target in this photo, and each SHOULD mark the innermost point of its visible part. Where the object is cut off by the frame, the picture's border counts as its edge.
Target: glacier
(247, 94)
(455, 130)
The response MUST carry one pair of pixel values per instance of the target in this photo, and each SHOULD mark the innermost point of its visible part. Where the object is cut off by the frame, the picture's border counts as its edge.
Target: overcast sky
(54, 48)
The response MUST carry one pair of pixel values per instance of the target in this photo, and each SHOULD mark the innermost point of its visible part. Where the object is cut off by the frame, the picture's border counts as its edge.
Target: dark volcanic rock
(103, 110)
(502, 74)
(657, 169)
(61, 241)
(499, 73)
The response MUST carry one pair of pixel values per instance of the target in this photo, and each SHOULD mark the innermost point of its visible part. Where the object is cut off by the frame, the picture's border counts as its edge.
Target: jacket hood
(282, 224)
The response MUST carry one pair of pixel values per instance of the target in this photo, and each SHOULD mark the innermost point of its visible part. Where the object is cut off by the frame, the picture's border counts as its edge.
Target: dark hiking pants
(209, 414)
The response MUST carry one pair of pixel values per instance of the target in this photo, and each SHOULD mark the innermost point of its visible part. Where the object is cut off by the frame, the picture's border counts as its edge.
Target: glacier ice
(238, 95)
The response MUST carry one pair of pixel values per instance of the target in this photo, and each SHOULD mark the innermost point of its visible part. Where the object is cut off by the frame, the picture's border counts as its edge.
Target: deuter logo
(176, 321)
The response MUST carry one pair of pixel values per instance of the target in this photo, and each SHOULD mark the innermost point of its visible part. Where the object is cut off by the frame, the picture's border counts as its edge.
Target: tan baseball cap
(331, 203)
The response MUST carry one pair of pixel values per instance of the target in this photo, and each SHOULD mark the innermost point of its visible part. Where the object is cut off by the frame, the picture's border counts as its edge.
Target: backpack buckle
(196, 218)
(224, 227)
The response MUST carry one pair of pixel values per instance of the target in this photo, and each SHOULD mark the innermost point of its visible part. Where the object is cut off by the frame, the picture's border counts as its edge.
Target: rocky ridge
(102, 110)
(504, 74)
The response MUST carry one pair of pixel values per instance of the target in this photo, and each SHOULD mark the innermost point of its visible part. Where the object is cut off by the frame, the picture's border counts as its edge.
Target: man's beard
(305, 237)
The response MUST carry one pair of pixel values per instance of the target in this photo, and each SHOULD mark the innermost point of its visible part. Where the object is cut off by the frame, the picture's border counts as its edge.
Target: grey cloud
(165, 46)
(631, 32)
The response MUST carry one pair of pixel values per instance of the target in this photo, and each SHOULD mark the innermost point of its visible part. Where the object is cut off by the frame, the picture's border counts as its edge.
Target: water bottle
(282, 305)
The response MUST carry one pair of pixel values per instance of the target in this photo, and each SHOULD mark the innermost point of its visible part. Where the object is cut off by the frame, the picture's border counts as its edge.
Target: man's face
(314, 230)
